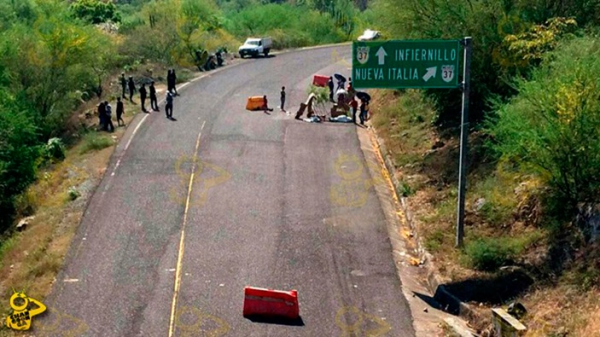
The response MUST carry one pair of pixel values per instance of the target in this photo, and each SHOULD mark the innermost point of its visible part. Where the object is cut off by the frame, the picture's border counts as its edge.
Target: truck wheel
(266, 52)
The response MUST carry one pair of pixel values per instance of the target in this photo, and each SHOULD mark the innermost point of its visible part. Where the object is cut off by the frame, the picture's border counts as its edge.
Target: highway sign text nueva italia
(405, 64)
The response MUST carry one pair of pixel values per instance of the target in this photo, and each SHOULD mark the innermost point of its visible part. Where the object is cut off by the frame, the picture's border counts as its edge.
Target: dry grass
(30, 260)
(511, 211)
(563, 309)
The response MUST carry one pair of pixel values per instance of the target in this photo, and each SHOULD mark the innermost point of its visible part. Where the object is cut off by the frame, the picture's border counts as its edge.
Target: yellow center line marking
(182, 239)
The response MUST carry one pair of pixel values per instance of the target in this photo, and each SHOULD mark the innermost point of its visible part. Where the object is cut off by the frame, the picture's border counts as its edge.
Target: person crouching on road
(265, 106)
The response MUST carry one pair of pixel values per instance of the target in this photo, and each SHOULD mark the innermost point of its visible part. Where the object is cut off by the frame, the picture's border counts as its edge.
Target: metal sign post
(422, 64)
(464, 138)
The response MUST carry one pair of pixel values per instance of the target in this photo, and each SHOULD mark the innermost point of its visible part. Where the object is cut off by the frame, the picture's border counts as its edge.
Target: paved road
(274, 202)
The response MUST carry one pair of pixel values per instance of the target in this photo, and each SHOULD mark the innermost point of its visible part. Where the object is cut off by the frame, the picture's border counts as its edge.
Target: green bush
(552, 127)
(289, 26)
(54, 149)
(19, 152)
(95, 11)
(491, 253)
(493, 65)
(93, 142)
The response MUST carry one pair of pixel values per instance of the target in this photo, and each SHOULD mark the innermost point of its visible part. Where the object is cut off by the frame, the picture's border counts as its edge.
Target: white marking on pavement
(128, 143)
(71, 280)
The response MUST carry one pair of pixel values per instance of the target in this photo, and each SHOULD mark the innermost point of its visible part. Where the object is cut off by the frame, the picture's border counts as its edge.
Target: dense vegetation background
(56, 55)
(534, 172)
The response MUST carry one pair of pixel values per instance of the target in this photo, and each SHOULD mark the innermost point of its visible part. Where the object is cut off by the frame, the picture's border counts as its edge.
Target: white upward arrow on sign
(430, 73)
(381, 54)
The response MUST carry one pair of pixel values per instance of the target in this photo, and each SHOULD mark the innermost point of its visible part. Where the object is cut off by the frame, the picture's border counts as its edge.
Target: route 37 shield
(362, 54)
(447, 73)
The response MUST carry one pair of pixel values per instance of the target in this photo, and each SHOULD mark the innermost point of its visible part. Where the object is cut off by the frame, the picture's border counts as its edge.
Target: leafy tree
(552, 127)
(95, 11)
(18, 151)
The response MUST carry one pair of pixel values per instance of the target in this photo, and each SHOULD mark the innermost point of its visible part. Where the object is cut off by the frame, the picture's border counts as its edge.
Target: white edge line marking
(137, 127)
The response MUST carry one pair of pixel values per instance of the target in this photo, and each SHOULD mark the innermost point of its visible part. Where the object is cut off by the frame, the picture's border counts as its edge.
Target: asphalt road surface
(273, 202)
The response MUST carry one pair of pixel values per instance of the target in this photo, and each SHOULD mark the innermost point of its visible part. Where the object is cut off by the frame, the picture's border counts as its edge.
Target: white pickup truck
(255, 46)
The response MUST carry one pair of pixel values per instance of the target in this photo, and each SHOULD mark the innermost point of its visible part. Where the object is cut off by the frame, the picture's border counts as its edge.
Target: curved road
(273, 202)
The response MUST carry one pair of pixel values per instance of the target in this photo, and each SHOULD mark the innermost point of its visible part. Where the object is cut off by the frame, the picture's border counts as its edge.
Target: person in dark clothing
(174, 82)
(282, 99)
(265, 106)
(123, 84)
(171, 80)
(353, 109)
(109, 124)
(364, 109)
(101, 116)
(169, 105)
(330, 85)
(131, 88)
(143, 95)
(120, 110)
(153, 99)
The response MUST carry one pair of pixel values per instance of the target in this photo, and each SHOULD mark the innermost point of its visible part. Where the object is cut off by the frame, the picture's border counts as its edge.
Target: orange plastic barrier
(267, 302)
(320, 80)
(255, 103)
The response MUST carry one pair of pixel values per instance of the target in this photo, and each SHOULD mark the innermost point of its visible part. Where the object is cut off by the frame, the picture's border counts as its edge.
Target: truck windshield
(253, 43)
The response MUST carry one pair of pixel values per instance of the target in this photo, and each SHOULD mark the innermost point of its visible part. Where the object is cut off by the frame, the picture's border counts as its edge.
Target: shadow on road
(276, 320)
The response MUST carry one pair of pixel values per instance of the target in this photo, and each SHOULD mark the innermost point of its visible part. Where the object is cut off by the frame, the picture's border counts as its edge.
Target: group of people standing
(128, 86)
(105, 115)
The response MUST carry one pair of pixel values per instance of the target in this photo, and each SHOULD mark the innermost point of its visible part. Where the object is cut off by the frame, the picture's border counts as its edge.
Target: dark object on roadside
(219, 56)
(517, 310)
(201, 58)
(211, 62)
(363, 96)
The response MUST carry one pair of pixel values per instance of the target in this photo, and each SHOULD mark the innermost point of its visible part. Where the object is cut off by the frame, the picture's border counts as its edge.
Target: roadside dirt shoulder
(428, 319)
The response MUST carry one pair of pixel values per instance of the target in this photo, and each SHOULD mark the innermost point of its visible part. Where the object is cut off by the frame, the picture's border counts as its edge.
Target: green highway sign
(405, 64)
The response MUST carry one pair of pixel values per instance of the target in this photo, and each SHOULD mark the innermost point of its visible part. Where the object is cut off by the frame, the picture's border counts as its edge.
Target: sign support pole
(464, 138)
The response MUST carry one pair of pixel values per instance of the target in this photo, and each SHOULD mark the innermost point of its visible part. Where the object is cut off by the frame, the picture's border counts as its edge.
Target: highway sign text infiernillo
(405, 64)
